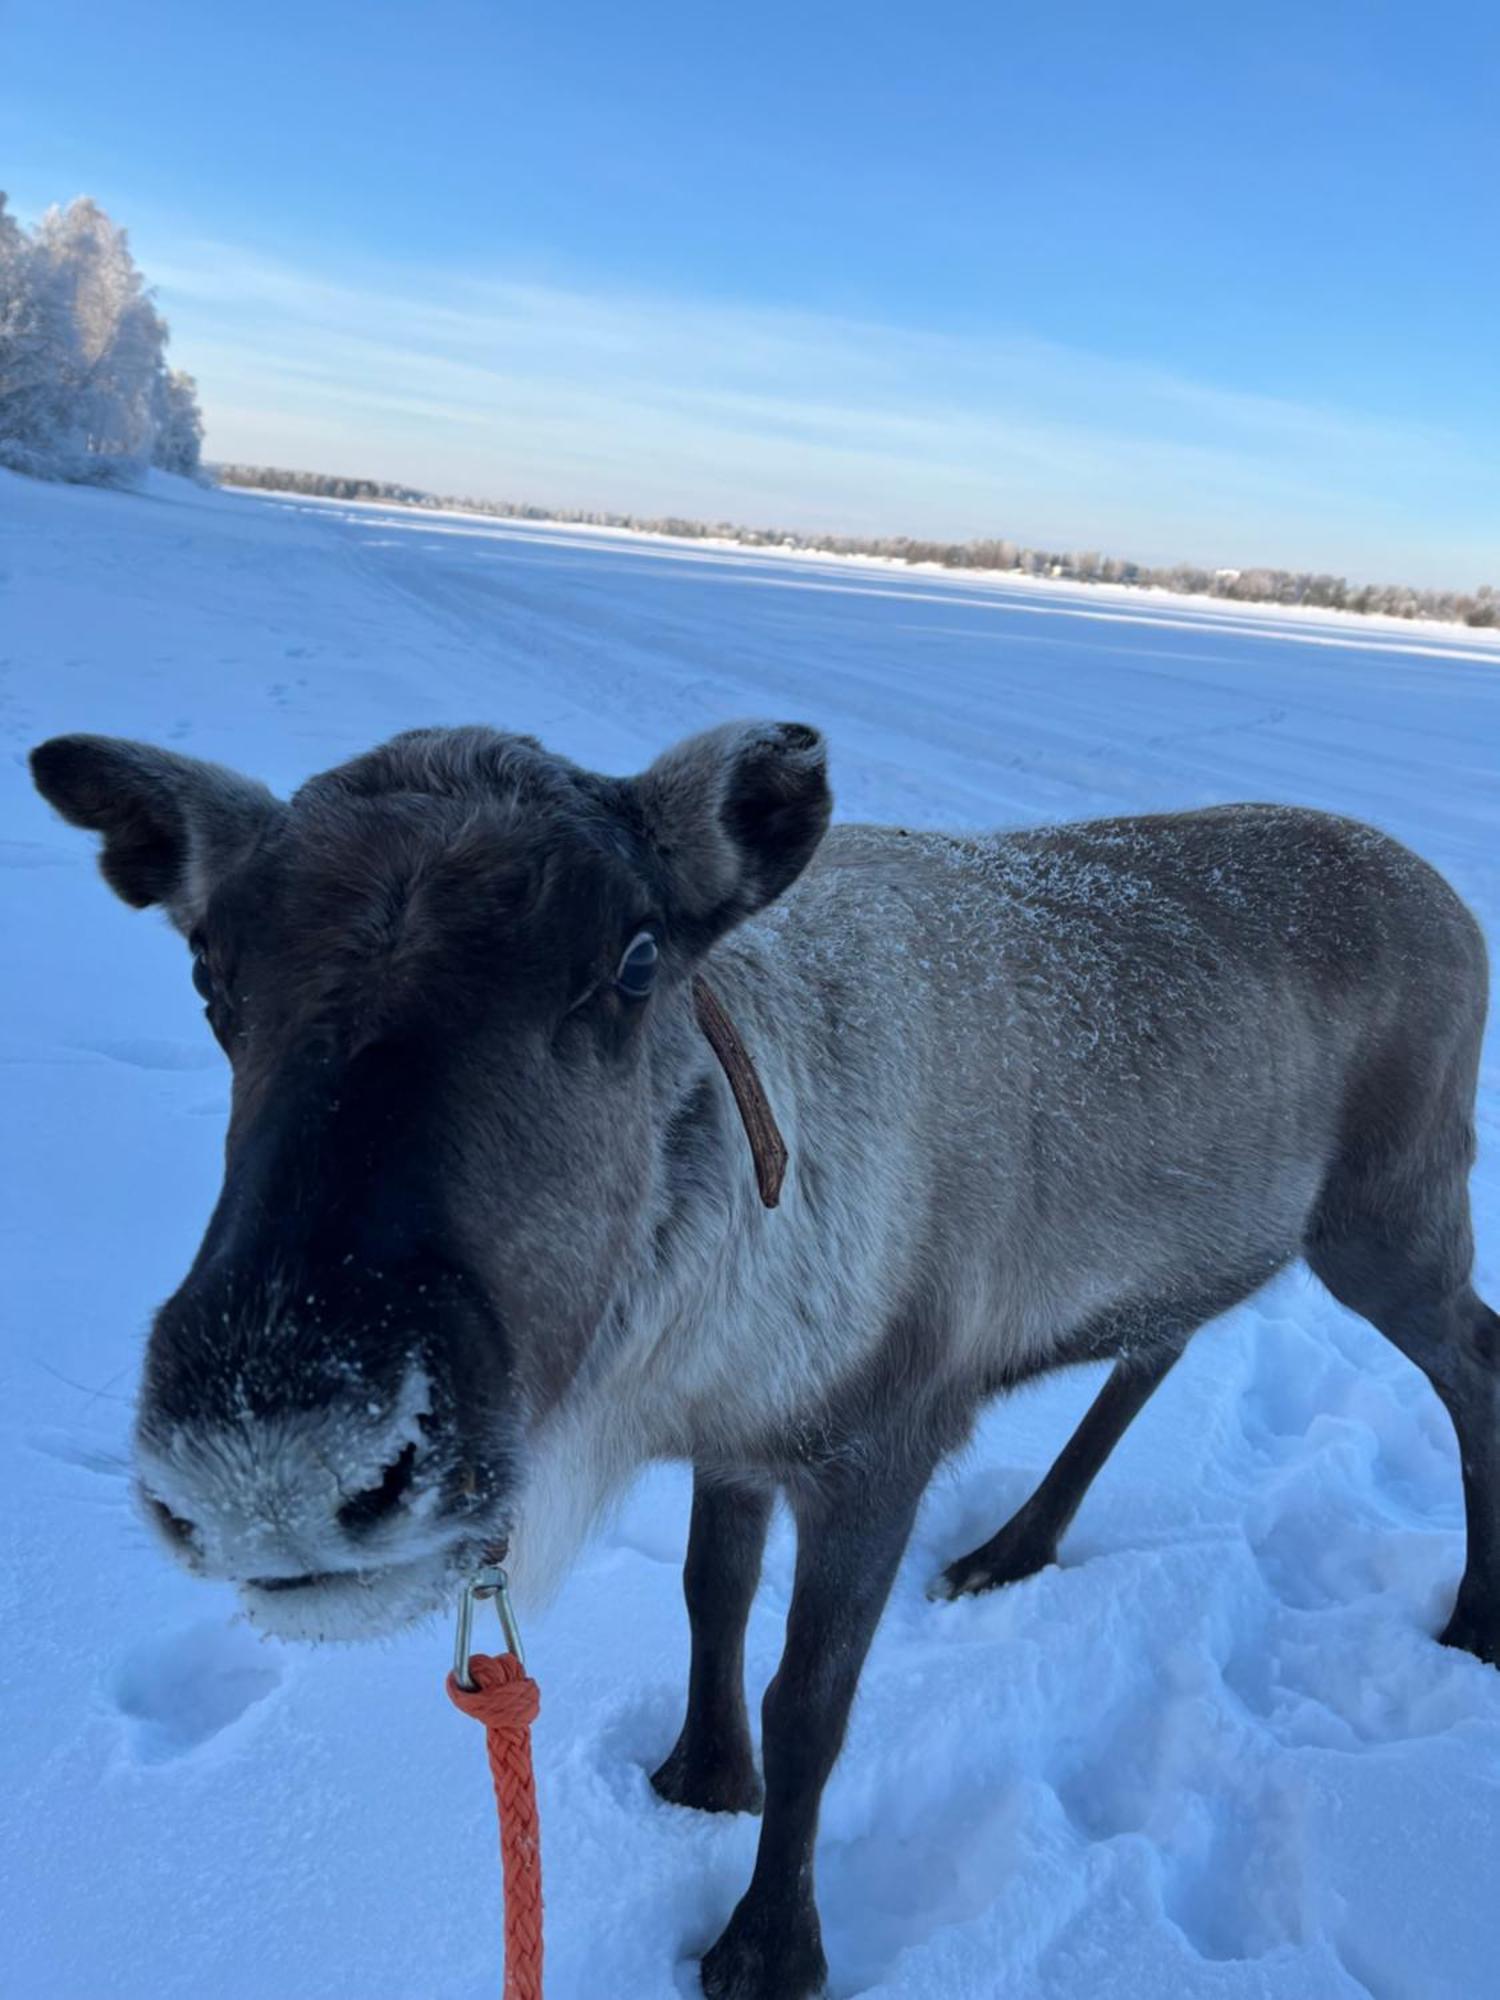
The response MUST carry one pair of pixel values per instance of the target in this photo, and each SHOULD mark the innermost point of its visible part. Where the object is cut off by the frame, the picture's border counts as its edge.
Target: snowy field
(1217, 1754)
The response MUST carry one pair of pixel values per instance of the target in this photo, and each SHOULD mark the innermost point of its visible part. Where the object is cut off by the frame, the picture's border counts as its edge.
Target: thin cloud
(652, 404)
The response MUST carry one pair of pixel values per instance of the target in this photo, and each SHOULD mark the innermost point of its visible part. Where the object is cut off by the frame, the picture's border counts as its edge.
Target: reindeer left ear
(734, 817)
(171, 824)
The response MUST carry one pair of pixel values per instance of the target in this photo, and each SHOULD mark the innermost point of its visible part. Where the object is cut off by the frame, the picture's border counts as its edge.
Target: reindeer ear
(171, 824)
(735, 816)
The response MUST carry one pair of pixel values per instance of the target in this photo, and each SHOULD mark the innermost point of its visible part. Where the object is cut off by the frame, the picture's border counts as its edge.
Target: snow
(1216, 1754)
(1017, 584)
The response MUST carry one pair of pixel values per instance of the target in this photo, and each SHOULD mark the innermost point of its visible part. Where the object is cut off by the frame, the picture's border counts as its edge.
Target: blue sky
(1210, 282)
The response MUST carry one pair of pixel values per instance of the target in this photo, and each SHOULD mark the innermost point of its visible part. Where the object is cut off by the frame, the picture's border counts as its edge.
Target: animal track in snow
(32, 854)
(1203, 1789)
(919, 1871)
(652, 1542)
(179, 1692)
(143, 1053)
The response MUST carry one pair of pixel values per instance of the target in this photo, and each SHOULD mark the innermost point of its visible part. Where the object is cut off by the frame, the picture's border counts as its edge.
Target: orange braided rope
(506, 1700)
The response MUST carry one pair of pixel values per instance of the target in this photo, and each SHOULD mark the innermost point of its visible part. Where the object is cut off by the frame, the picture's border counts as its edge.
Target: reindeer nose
(291, 1492)
(379, 1502)
(323, 1429)
(359, 1516)
(178, 1532)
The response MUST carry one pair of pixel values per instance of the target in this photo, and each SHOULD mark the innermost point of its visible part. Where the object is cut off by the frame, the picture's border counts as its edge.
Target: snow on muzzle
(342, 1463)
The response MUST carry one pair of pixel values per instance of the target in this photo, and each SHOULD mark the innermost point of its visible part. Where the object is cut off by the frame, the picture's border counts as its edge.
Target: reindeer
(490, 1237)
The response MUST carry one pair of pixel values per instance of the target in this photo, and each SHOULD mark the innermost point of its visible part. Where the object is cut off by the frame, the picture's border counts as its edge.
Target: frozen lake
(1215, 1754)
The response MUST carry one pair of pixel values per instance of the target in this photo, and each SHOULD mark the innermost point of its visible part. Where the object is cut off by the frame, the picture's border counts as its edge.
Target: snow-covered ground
(1216, 1754)
(1018, 587)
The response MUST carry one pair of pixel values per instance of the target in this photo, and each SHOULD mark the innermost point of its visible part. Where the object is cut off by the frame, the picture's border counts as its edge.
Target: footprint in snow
(178, 1693)
(147, 1054)
(32, 854)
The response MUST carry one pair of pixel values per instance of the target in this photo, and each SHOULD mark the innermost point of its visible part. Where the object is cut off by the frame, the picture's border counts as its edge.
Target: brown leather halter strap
(767, 1147)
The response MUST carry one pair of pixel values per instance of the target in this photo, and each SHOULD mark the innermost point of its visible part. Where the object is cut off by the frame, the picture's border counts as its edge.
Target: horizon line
(941, 548)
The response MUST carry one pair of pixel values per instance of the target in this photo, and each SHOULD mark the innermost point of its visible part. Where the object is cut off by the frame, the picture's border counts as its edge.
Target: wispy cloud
(666, 404)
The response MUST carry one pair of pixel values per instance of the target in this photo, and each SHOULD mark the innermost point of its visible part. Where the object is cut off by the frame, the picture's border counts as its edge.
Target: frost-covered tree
(85, 392)
(179, 424)
(121, 336)
(41, 428)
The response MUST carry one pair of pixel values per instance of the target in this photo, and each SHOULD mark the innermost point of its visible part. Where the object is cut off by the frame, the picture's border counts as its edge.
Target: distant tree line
(85, 390)
(1479, 607)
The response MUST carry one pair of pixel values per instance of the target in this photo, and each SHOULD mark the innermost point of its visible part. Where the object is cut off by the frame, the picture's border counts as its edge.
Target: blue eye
(636, 974)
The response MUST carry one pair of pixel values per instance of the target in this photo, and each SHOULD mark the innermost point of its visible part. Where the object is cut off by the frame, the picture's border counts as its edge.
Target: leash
(497, 1691)
(495, 1688)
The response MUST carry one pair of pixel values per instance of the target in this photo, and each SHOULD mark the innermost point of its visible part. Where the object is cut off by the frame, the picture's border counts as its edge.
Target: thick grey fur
(487, 1246)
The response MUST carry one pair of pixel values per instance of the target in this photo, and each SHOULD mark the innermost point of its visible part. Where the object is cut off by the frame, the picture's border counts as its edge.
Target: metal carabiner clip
(490, 1581)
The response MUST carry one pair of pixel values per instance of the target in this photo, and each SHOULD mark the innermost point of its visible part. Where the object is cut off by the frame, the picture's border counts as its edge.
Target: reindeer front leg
(712, 1766)
(850, 1535)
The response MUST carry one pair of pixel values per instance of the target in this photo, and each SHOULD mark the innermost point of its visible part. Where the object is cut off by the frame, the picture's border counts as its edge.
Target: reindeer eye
(637, 969)
(201, 976)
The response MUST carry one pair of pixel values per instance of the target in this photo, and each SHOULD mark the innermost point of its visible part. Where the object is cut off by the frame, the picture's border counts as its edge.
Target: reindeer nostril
(366, 1509)
(176, 1530)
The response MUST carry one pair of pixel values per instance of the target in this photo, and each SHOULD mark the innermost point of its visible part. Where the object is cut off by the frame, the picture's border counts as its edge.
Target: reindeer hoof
(771, 1962)
(991, 1568)
(1470, 1633)
(721, 1785)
